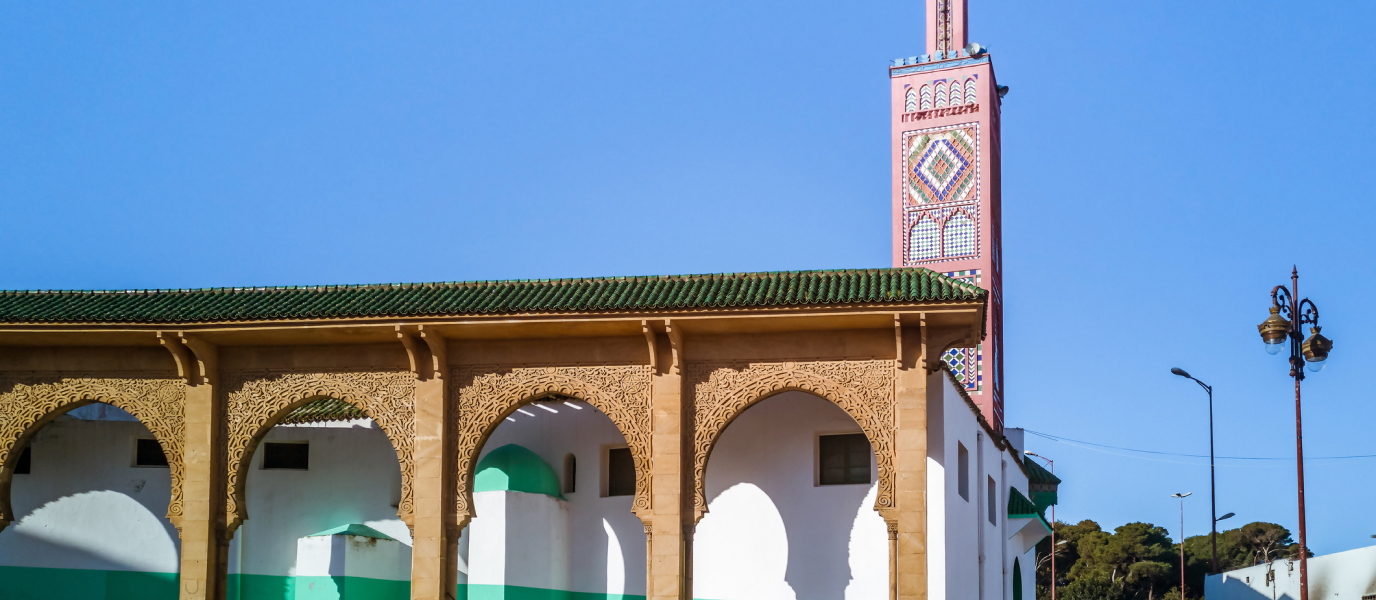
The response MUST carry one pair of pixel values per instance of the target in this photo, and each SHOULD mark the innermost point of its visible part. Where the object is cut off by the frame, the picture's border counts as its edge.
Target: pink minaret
(946, 174)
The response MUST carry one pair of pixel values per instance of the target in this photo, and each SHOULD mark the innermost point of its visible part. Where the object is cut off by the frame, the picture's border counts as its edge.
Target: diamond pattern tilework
(966, 363)
(941, 165)
(958, 236)
(923, 240)
(968, 366)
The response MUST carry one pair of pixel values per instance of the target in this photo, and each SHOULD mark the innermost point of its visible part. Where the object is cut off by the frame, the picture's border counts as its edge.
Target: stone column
(434, 533)
(670, 543)
(431, 578)
(910, 403)
(202, 527)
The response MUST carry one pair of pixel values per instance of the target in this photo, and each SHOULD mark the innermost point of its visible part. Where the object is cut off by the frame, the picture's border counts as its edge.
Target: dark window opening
(148, 453)
(844, 459)
(294, 456)
(993, 502)
(570, 473)
(963, 471)
(25, 461)
(620, 472)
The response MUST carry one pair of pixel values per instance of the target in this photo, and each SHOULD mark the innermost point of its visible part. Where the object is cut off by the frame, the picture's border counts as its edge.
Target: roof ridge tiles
(581, 294)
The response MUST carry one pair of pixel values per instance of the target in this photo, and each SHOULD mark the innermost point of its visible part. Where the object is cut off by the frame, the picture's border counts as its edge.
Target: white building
(1347, 575)
(786, 520)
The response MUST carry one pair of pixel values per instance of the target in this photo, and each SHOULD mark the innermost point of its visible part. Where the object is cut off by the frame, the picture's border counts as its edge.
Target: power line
(1058, 438)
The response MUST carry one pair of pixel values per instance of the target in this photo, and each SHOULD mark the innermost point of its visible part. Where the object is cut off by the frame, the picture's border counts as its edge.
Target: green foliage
(1091, 588)
(1139, 561)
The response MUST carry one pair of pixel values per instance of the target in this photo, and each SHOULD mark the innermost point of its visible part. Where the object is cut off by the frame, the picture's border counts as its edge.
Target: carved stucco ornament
(30, 401)
(484, 395)
(256, 400)
(723, 390)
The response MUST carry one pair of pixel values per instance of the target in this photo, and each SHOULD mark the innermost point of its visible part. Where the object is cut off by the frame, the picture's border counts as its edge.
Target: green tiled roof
(355, 529)
(324, 409)
(1019, 507)
(1038, 475)
(670, 292)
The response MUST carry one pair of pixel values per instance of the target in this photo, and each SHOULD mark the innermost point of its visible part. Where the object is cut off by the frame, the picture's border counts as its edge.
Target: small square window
(620, 472)
(25, 463)
(148, 453)
(843, 459)
(288, 456)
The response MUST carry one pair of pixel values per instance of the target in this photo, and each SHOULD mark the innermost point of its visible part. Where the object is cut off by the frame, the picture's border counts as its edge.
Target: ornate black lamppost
(1287, 317)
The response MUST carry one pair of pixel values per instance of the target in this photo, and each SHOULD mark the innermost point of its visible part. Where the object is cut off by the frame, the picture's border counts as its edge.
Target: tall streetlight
(1182, 539)
(1213, 494)
(1054, 545)
(1288, 315)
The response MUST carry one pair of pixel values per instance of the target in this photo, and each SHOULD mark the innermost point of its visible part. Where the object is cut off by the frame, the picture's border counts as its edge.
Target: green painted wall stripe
(476, 591)
(33, 583)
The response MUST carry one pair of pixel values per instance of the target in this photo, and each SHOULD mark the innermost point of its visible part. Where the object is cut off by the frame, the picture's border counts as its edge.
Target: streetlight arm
(1309, 314)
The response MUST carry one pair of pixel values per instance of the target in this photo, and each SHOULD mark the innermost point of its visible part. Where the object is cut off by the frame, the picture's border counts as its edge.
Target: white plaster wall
(85, 506)
(1347, 575)
(957, 526)
(353, 556)
(354, 477)
(606, 540)
(770, 531)
(520, 539)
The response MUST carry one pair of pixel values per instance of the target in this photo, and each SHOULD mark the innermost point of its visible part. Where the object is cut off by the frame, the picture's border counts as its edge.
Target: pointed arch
(958, 235)
(970, 97)
(485, 395)
(29, 402)
(941, 94)
(723, 390)
(910, 100)
(957, 93)
(256, 401)
(926, 96)
(924, 239)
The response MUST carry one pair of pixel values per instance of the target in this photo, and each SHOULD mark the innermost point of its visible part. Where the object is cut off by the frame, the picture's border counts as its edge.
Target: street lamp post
(1288, 315)
(1182, 539)
(1052, 464)
(1213, 495)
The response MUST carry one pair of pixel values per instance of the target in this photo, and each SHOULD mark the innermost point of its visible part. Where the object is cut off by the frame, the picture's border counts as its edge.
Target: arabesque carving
(256, 400)
(722, 390)
(484, 395)
(29, 401)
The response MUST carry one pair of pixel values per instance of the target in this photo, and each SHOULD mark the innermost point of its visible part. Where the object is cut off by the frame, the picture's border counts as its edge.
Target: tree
(1066, 556)
(1135, 559)
(1091, 588)
(1267, 541)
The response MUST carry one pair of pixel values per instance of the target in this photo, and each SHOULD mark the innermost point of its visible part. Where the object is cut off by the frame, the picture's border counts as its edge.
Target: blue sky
(1164, 165)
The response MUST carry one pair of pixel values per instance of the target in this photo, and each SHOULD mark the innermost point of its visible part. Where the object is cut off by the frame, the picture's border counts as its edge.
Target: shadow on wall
(107, 578)
(1236, 589)
(100, 530)
(604, 540)
(771, 532)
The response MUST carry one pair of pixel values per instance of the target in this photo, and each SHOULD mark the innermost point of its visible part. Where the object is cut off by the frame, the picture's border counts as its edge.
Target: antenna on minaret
(947, 25)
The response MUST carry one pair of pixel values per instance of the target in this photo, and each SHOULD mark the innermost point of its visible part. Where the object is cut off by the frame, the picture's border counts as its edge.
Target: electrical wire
(1058, 438)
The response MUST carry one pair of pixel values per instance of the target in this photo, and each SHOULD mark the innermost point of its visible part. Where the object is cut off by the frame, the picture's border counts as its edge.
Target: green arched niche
(514, 468)
(1017, 580)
